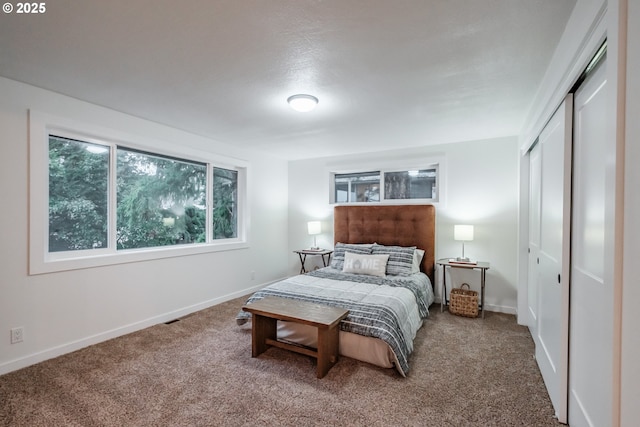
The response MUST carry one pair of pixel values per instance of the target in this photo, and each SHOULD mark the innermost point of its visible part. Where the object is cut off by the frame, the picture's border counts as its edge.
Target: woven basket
(464, 302)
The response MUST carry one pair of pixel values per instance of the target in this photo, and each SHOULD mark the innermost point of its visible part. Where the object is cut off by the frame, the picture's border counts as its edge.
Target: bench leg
(262, 328)
(328, 343)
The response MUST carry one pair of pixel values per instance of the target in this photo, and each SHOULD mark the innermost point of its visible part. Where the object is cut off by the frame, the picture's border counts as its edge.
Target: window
(386, 185)
(161, 200)
(225, 209)
(95, 201)
(413, 184)
(78, 195)
(357, 187)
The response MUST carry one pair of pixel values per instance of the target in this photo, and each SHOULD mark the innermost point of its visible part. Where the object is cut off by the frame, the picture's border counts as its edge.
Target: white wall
(61, 312)
(479, 186)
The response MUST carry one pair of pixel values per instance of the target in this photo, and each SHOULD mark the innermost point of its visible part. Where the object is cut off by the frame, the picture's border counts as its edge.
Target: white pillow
(372, 265)
(418, 254)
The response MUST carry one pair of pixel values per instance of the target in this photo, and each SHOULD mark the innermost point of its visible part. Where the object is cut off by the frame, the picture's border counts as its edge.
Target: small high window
(413, 184)
(357, 187)
(420, 184)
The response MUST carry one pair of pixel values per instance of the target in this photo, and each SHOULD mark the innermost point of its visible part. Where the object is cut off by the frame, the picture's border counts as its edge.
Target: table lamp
(314, 228)
(463, 233)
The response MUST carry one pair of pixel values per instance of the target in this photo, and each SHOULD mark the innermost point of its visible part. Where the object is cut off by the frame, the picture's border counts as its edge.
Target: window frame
(41, 261)
(436, 163)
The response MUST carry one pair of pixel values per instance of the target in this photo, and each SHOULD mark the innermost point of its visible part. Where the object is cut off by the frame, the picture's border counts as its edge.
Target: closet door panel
(591, 340)
(553, 278)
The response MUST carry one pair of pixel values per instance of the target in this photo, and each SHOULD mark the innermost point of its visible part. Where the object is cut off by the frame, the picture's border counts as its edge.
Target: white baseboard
(502, 309)
(50, 353)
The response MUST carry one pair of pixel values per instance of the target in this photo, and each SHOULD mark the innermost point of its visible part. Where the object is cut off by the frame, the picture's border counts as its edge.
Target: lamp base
(463, 259)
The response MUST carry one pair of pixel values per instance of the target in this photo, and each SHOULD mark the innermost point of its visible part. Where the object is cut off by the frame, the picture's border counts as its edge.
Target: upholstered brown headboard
(406, 225)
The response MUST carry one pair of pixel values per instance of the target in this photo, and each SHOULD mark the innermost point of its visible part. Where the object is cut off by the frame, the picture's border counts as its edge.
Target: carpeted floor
(199, 372)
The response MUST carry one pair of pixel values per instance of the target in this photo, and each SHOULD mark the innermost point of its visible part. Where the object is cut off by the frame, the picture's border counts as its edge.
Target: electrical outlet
(17, 335)
(253, 275)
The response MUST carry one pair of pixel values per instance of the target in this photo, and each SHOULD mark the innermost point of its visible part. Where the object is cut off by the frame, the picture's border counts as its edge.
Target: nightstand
(302, 253)
(447, 262)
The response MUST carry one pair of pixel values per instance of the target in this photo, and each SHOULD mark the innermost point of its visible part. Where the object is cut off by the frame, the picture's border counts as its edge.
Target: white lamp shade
(463, 232)
(303, 103)
(314, 227)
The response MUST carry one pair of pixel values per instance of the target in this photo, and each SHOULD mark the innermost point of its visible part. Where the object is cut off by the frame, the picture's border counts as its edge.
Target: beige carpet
(199, 372)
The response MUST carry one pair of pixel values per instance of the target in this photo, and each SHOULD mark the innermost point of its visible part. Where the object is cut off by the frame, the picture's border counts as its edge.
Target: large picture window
(161, 200)
(104, 200)
(393, 185)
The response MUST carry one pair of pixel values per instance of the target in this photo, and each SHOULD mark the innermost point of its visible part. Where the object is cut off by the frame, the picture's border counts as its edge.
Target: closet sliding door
(591, 337)
(551, 331)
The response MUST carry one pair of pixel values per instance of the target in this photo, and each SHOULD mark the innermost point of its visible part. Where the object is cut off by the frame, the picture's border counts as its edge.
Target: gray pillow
(337, 261)
(400, 259)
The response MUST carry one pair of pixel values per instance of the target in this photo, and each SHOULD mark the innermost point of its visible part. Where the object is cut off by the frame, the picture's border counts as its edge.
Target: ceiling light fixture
(302, 103)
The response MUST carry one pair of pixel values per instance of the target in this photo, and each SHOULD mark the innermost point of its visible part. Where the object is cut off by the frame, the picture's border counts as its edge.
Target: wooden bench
(266, 312)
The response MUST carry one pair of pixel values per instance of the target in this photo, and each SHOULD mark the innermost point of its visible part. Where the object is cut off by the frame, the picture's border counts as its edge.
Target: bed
(378, 275)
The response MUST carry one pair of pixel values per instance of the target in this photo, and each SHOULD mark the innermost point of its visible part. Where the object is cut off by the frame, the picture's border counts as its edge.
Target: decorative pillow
(340, 248)
(418, 254)
(400, 258)
(373, 265)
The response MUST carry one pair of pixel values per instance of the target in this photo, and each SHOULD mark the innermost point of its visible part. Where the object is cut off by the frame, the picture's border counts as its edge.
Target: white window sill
(89, 259)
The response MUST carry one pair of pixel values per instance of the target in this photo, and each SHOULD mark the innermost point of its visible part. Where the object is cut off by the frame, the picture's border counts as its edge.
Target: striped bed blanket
(390, 308)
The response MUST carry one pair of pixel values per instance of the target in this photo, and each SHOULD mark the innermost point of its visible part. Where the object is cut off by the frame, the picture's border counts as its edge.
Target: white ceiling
(388, 73)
